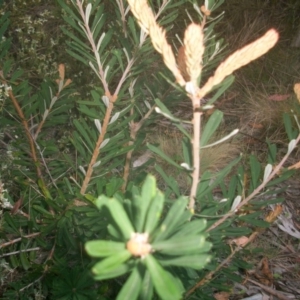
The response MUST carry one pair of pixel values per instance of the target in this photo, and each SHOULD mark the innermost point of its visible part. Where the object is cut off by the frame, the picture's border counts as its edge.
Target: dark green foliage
(53, 227)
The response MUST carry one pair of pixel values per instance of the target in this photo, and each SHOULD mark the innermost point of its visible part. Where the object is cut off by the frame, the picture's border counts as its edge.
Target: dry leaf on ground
(221, 296)
(278, 97)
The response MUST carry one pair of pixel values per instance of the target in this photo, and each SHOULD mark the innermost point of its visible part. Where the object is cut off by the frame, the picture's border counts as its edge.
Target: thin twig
(20, 251)
(45, 165)
(123, 16)
(124, 76)
(112, 99)
(30, 138)
(196, 153)
(270, 218)
(29, 236)
(255, 192)
(94, 48)
(27, 132)
(134, 128)
(109, 110)
(96, 151)
(209, 276)
(46, 114)
(269, 290)
(44, 273)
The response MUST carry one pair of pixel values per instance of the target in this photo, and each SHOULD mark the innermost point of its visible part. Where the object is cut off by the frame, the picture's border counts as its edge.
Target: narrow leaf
(211, 127)
(188, 261)
(165, 284)
(111, 263)
(103, 248)
(131, 288)
(163, 155)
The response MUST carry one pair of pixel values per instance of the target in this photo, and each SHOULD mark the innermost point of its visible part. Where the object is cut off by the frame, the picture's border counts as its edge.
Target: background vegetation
(59, 108)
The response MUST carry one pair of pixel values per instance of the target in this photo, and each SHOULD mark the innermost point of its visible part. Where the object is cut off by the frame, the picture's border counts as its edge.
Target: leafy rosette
(147, 245)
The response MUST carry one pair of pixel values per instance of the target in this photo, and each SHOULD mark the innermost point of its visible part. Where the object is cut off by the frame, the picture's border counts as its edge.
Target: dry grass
(264, 117)
(273, 74)
(253, 111)
(213, 159)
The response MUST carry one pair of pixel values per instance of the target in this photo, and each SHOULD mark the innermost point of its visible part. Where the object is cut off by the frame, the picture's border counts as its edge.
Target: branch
(20, 251)
(241, 243)
(256, 191)
(19, 239)
(96, 151)
(94, 48)
(196, 152)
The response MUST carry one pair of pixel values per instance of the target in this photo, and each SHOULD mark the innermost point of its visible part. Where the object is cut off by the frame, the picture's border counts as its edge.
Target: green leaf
(252, 219)
(222, 87)
(288, 126)
(165, 110)
(127, 205)
(169, 180)
(132, 27)
(192, 228)
(5, 47)
(282, 177)
(154, 212)
(78, 57)
(68, 10)
(77, 142)
(67, 183)
(166, 113)
(118, 271)
(210, 127)
(216, 4)
(187, 151)
(11, 222)
(14, 261)
(165, 284)
(131, 288)
(163, 155)
(118, 213)
(231, 275)
(255, 172)
(188, 261)
(103, 248)
(118, 54)
(113, 186)
(4, 25)
(219, 177)
(90, 112)
(172, 219)
(106, 40)
(170, 18)
(113, 68)
(43, 211)
(114, 232)
(76, 40)
(16, 75)
(236, 231)
(267, 202)
(99, 19)
(23, 258)
(182, 245)
(111, 263)
(141, 203)
(84, 133)
(272, 153)
(146, 292)
(204, 184)
(33, 254)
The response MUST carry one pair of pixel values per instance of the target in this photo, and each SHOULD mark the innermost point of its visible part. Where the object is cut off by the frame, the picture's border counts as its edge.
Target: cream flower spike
(241, 58)
(193, 50)
(147, 21)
